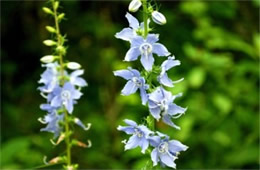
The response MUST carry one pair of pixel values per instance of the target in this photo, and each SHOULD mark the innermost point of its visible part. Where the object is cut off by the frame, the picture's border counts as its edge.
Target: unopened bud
(56, 5)
(49, 42)
(50, 29)
(73, 65)
(47, 10)
(47, 59)
(61, 16)
(158, 18)
(134, 5)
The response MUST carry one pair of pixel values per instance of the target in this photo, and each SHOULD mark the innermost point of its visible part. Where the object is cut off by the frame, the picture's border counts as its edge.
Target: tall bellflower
(160, 102)
(61, 87)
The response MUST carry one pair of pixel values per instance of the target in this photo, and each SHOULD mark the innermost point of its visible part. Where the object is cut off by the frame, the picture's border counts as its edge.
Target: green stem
(149, 119)
(59, 44)
(145, 17)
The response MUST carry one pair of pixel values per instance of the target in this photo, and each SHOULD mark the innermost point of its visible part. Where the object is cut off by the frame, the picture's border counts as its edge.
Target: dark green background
(217, 42)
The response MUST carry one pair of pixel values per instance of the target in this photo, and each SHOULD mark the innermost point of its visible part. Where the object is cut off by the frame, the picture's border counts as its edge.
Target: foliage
(219, 52)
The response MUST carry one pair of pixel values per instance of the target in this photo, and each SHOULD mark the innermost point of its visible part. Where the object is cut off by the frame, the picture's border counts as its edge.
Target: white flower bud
(73, 65)
(49, 42)
(158, 18)
(134, 5)
(47, 59)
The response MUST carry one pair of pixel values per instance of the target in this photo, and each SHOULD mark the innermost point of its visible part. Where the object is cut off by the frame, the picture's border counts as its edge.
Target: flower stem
(145, 17)
(149, 119)
(60, 54)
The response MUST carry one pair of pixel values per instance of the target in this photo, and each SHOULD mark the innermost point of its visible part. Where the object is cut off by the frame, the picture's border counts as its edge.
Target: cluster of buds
(157, 17)
(151, 82)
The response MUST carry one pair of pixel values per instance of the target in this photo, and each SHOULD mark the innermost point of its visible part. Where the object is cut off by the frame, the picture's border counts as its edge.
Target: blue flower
(129, 33)
(165, 151)
(166, 65)
(49, 77)
(146, 48)
(161, 102)
(76, 80)
(139, 134)
(65, 96)
(135, 81)
(52, 120)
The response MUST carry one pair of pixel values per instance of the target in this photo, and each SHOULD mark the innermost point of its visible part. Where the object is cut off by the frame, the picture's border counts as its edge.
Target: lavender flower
(52, 119)
(166, 65)
(135, 81)
(165, 151)
(49, 77)
(65, 96)
(76, 80)
(146, 48)
(160, 102)
(140, 134)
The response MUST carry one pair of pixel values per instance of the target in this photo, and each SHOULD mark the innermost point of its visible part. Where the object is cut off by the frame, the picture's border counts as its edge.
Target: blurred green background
(217, 42)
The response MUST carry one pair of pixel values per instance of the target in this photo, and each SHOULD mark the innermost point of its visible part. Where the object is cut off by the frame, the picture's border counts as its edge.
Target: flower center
(65, 95)
(163, 105)
(138, 133)
(163, 147)
(146, 49)
(137, 81)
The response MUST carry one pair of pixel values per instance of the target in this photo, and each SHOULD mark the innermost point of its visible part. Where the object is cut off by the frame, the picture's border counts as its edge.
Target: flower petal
(127, 129)
(76, 94)
(56, 101)
(167, 160)
(144, 145)
(167, 119)
(160, 50)
(130, 122)
(133, 22)
(168, 64)
(132, 54)
(145, 130)
(126, 74)
(132, 142)
(143, 96)
(156, 96)
(155, 111)
(175, 109)
(152, 38)
(69, 105)
(154, 156)
(126, 34)
(78, 81)
(77, 73)
(137, 41)
(176, 146)
(129, 88)
(147, 62)
(154, 140)
(164, 80)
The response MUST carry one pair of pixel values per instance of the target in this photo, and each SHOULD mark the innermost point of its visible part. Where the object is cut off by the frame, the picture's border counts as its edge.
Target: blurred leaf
(196, 77)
